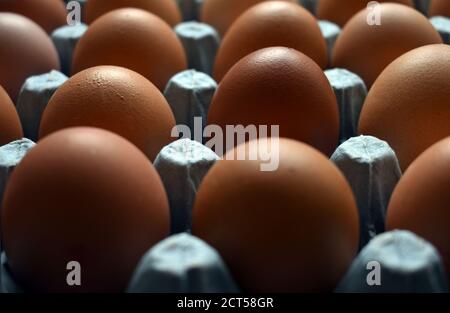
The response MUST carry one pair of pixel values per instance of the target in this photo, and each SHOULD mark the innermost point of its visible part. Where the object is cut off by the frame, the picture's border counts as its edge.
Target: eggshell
(408, 106)
(277, 231)
(49, 14)
(26, 50)
(165, 9)
(222, 13)
(366, 50)
(134, 39)
(439, 8)
(279, 86)
(339, 13)
(84, 195)
(420, 202)
(10, 126)
(116, 99)
(271, 24)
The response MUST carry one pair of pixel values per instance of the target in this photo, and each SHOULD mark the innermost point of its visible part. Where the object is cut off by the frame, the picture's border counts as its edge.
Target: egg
(26, 50)
(269, 24)
(278, 230)
(134, 39)
(165, 9)
(49, 14)
(279, 86)
(439, 8)
(366, 50)
(408, 106)
(116, 99)
(334, 11)
(222, 13)
(10, 126)
(420, 202)
(82, 195)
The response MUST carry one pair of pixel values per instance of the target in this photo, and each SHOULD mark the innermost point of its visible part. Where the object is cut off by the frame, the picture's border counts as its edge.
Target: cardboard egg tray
(184, 263)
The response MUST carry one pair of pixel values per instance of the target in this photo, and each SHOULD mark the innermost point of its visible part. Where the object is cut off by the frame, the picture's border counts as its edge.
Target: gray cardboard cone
(182, 166)
(442, 25)
(372, 170)
(190, 9)
(201, 42)
(33, 99)
(182, 264)
(350, 92)
(330, 32)
(396, 262)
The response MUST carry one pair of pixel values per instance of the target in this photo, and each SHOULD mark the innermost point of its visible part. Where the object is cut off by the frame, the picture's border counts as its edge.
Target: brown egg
(10, 126)
(26, 50)
(271, 24)
(366, 50)
(134, 39)
(420, 202)
(49, 14)
(338, 13)
(222, 13)
(116, 99)
(279, 86)
(408, 106)
(165, 9)
(83, 195)
(294, 229)
(439, 8)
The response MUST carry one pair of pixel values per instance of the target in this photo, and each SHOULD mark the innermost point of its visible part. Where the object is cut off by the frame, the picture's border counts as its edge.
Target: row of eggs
(89, 168)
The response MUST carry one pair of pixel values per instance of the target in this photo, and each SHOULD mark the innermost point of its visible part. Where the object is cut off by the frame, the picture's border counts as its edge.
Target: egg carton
(65, 40)
(190, 9)
(442, 25)
(201, 43)
(33, 99)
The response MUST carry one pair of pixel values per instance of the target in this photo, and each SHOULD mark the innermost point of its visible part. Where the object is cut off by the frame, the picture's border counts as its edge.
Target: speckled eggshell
(10, 126)
(439, 8)
(279, 86)
(49, 14)
(84, 195)
(277, 231)
(367, 50)
(165, 9)
(116, 99)
(25, 50)
(420, 202)
(408, 106)
(270, 24)
(222, 13)
(134, 39)
(340, 12)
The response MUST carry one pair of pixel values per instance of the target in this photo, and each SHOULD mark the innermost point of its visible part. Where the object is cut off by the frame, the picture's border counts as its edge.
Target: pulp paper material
(182, 264)
(396, 262)
(201, 42)
(351, 93)
(10, 156)
(330, 32)
(182, 166)
(372, 170)
(33, 99)
(189, 94)
(65, 39)
(442, 25)
(190, 9)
